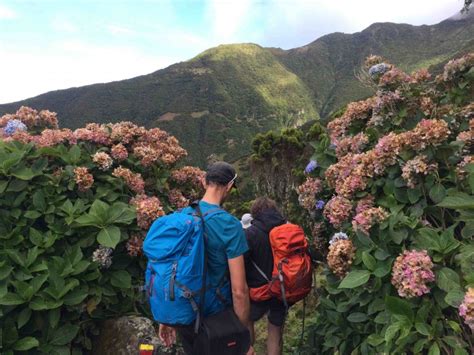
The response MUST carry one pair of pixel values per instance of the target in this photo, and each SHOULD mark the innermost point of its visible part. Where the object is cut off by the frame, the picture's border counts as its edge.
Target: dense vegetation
(74, 207)
(388, 199)
(217, 101)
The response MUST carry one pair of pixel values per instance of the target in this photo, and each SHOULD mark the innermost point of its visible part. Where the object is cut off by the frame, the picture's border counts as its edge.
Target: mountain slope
(217, 101)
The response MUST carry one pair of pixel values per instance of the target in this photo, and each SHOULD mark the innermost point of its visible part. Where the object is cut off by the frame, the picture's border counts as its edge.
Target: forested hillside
(215, 102)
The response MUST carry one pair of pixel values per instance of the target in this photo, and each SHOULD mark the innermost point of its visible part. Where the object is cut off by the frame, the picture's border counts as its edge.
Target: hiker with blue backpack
(196, 273)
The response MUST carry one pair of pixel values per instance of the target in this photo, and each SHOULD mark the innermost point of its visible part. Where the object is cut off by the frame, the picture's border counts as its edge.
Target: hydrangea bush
(396, 179)
(74, 209)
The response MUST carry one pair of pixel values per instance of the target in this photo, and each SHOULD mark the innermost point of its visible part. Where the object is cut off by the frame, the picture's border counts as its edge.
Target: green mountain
(216, 102)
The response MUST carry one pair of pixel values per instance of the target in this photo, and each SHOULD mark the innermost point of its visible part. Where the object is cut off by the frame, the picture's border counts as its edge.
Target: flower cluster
(177, 199)
(455, 66)
(364, 220)
(411, 272)
(365, 203)
(14, 125)
(340, 257)
(119, 152)
(420, 76)
(351, 173)
(103, 160)
(149, 146)
(307, 193)
(188, 174)
(383, 106)
(351, 144)
(372, 60)
(467, 137)
(337, 237)
(394, 78)
(83, 178)
(466, 309)
(135, 245)
(461, 171)
(313, 164)
(93, 133)
(356, 111)
(31, 118)
(338, 210)
(378, 69)
(415, 167)
(134, 181)
(103, 256)
(148, 209)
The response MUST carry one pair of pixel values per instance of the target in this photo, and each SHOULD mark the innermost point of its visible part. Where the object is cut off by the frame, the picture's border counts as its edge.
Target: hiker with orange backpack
(278, 269)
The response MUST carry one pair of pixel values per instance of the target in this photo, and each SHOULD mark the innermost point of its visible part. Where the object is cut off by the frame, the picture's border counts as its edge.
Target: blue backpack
(176, 275)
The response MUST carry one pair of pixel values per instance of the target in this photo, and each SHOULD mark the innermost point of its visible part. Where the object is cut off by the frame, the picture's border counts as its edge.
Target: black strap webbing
(195, 205)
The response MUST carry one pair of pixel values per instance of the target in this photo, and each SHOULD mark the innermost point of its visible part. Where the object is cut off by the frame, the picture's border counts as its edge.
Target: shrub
(401, 188)
(74, 209)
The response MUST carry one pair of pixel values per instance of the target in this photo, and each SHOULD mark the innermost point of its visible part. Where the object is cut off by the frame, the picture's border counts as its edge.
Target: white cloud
(292, 23)
(61, 24)
(6, 13)
(228, 18)
(119, 30)
(69, 64)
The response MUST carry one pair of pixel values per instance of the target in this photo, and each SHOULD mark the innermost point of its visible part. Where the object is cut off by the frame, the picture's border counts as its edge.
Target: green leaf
(460, 200)
(434, 349)
(437, 193)
(75, 297)
(64, 334)
(11, 299)
(121, 279)
(357, 317)
(100, 210)
(23, 317)
(355, 279)
(369, 261)
(375, 340)
(447, 279)
(39, 201)
(54, 316)
(391, 331)
(24, 173)
(26, 343)
(16, 256)
(5, 271)
(454, 297)
(419, 345)
(398, 306)
(109, 236)
(455, 326)
(422, 328)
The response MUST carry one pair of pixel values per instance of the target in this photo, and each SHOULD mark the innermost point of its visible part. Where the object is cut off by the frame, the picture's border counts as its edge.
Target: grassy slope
(225, 95)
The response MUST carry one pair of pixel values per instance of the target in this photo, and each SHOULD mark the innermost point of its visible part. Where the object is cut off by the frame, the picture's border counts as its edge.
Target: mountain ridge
(218, 100)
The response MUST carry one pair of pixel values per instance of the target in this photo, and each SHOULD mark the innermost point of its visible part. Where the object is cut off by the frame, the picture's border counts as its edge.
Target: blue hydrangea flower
(378, 69)
(13, 126)
(338, 236)
(313, 164)
(320, 204)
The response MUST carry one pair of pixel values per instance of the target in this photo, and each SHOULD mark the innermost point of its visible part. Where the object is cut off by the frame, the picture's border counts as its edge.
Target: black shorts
(274, 307)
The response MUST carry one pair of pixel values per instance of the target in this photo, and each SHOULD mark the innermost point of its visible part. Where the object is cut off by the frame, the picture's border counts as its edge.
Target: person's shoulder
(225, 217)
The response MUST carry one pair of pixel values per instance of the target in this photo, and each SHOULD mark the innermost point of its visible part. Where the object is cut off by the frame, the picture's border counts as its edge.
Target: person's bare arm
(240, 292)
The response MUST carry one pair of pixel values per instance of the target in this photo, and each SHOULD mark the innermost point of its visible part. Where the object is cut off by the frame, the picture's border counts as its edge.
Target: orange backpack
(292, 270)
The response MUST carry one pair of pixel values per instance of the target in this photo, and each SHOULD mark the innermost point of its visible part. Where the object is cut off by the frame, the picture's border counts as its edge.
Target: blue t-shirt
(225, 240)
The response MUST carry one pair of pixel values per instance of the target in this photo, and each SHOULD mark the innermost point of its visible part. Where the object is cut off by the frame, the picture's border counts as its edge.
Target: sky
(48, 45)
